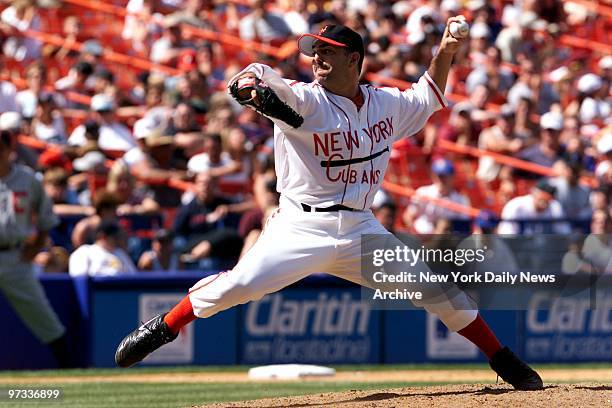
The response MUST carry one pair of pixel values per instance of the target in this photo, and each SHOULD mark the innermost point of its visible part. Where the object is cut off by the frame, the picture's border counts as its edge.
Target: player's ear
(354, 58)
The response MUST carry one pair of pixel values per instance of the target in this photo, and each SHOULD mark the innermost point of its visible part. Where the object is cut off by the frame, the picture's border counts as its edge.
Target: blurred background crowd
(121, 109)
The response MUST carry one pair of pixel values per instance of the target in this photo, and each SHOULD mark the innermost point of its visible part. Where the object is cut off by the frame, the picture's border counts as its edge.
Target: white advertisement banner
(181, 350)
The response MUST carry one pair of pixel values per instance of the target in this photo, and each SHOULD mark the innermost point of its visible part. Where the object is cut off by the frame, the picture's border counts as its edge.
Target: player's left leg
(293, 245)
(452, 306)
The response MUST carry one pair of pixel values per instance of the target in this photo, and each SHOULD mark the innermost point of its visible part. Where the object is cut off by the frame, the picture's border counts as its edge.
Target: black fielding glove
(264, 100)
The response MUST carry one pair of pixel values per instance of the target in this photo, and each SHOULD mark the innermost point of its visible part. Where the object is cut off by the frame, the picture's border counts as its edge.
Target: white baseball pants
(295, 244)
(26, 295)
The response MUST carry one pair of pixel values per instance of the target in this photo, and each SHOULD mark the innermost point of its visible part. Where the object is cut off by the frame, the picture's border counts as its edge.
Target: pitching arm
(441, 62)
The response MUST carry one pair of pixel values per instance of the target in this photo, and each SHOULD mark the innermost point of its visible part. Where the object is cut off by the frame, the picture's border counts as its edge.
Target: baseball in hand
(459, 29)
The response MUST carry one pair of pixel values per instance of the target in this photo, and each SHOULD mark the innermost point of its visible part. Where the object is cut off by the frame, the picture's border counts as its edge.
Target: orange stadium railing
(577, 42)
(124, 111)
(439, 202)
(290, 47)
(108, 55)
(76, 97)
(507, 160)
(37, 144)
(228, 39)
(287, 49)
(596, 7)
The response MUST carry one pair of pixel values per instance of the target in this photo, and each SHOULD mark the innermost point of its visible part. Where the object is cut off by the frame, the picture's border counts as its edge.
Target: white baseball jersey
(340, 154)
(94, 260)
(23, 204)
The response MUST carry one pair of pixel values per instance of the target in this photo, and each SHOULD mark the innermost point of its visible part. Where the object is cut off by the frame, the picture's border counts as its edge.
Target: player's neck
(348, 89)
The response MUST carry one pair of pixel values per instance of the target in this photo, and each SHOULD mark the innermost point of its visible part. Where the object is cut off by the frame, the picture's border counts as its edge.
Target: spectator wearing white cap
(449, 8)
(548, 150)
(113, 135)
(136, 27)
(480, 35)
(295, 14)
(427, 10)
(143, 128)
(594, 107)
(605, 64)
(508, 40)
(13, 123)
(157, 160)
(604, 169)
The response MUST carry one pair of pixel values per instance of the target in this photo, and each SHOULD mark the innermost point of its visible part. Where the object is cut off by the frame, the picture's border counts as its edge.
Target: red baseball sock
(479, 333)
(180, 315)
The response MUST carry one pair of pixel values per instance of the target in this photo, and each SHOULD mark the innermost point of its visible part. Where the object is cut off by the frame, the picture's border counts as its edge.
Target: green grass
(244, 369)
(151, 395)
(159, 394)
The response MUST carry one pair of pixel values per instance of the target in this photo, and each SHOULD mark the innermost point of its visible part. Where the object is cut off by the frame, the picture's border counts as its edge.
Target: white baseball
(459, 29)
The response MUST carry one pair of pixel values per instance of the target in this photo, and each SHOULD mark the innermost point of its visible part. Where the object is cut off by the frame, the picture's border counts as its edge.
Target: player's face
(330, 63)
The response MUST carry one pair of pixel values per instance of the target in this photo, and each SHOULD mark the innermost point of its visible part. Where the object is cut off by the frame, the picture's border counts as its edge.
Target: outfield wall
(319, 320)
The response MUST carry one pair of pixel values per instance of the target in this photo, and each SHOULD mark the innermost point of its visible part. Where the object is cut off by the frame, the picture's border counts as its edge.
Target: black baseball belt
(347, 162)
(333, 208)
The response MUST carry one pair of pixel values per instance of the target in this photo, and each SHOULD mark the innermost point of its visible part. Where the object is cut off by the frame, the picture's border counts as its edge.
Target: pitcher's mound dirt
(475, 395)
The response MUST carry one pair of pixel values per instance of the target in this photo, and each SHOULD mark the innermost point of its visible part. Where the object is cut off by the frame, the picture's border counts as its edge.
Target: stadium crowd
(158, 169)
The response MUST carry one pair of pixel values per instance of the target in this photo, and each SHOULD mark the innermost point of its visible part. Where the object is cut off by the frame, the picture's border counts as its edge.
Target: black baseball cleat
(143, 341)
(514, 371)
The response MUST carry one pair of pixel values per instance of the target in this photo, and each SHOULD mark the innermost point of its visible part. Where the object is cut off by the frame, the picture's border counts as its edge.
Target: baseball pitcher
(332, 141)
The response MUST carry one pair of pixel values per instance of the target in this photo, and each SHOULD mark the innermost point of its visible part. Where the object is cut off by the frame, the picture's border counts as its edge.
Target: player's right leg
(451, 305)
(293, 245)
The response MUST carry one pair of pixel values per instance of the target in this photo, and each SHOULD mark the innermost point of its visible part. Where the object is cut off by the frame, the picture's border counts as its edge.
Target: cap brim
(306, 42)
